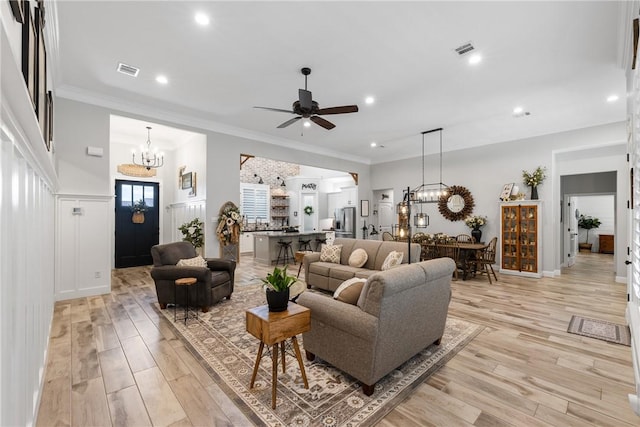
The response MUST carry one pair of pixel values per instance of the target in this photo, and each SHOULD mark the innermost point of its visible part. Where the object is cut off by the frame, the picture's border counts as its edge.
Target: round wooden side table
(187, 282)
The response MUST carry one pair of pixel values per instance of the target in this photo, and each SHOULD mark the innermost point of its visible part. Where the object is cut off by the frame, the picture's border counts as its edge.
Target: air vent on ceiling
(129, 70)
(464, 49)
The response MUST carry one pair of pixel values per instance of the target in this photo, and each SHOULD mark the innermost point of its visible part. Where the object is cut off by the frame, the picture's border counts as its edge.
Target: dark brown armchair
(215, 281)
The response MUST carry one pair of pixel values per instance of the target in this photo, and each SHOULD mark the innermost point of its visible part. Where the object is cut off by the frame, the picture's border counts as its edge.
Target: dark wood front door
(133, 241)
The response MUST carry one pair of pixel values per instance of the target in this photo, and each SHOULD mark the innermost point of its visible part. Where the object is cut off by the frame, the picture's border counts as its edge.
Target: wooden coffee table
(273, 328)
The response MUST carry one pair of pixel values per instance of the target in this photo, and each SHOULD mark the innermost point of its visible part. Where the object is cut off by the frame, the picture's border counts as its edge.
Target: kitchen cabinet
(520, 238)
(246, 242)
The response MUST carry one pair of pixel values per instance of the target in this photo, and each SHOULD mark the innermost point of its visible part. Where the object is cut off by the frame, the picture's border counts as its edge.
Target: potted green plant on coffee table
(277, 286)
(588, 223)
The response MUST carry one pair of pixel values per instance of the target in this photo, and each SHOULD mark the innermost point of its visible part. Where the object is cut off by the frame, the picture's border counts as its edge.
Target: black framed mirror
(457, 204)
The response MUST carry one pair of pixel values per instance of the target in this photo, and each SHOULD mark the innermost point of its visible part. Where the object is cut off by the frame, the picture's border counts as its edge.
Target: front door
(134, 240)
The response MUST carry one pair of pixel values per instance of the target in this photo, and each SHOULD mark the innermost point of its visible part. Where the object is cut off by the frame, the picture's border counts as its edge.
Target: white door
(309, 222)
(571, 230)
(385, 216)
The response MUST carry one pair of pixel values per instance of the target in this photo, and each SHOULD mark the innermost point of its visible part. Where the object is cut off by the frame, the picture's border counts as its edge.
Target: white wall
(28, 183)
(484, 171)
(222, 160)
(608, 155)
(601, 207)
(191, 153)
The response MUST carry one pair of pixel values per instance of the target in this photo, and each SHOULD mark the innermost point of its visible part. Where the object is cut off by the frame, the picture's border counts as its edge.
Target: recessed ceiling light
(162, 79)
(307, 123)
(475, 58)
(517, 111)
(373, 144)
(369, 100)
(612, 98)
(202, 19)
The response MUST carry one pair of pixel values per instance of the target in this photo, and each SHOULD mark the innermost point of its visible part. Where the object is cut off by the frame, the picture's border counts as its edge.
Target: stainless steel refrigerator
(346, 222)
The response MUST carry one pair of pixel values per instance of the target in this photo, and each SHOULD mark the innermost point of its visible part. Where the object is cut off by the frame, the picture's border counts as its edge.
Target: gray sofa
(400, 312)
(328, 276)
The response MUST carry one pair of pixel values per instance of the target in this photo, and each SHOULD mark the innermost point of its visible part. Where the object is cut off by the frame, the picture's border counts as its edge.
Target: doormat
(600, 329)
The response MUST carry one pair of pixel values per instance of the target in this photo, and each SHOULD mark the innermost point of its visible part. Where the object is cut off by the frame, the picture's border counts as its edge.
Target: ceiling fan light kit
(306, 107)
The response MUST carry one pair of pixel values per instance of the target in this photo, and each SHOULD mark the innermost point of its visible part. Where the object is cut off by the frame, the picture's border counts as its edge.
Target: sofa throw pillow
(392, 260)
(192, 262)
(349, 290)
(331, 253)
(358, 258)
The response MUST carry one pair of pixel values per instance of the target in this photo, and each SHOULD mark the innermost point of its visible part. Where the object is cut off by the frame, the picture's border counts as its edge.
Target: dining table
(468, 252)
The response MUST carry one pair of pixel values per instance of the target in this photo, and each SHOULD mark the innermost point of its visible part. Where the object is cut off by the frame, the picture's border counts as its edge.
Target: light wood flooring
(113, 361)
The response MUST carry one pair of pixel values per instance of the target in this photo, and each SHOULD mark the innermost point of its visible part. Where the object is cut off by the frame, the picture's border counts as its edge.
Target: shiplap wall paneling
(83, 246)
(27, 271)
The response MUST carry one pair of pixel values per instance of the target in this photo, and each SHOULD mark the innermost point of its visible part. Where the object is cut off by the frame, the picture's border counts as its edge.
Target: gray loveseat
(400, 312)
(328, 276)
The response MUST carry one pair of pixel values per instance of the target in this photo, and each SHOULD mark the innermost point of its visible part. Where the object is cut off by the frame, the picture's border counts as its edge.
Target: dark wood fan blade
(306, 102)
(276, 109)
(338, 110)
(288, 122)
(322, 122)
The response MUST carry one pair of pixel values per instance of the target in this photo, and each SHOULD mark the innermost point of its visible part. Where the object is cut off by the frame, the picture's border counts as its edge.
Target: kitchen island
(266, 248)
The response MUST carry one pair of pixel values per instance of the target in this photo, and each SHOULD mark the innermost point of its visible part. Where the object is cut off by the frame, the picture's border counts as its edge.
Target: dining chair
(450, 250)
(486, 258)
(465, 238)
(387, 237)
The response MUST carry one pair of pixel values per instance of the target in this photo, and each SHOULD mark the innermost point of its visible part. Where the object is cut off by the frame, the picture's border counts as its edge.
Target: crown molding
(76, 94)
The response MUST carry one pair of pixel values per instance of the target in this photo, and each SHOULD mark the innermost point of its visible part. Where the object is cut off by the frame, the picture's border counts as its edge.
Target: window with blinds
(254, 202)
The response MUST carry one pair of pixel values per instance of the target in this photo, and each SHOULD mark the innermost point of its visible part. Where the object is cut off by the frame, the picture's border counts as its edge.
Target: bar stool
(319, 243)
(304, 245)
(187, 282)
(283, 253)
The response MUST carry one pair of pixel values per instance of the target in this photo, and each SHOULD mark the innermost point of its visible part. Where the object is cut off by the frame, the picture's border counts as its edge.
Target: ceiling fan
(306, 107)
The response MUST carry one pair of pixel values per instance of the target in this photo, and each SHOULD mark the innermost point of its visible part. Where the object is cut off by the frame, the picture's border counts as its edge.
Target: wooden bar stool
(187, 282)
(304, 245)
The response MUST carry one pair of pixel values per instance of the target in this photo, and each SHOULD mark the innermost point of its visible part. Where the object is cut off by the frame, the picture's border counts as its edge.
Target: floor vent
(129, 70)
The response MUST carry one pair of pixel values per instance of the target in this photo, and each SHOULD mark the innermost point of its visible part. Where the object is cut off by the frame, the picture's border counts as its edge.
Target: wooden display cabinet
(520, 238)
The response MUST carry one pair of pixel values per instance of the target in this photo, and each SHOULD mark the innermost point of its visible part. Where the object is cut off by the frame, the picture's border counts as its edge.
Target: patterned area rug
(606, 331)
(219, 340)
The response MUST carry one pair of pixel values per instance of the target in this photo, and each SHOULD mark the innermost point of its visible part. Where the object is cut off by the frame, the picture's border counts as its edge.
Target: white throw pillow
(331, 253)
(392, 260)
(192, 262)
(358, 258)
(349, 290)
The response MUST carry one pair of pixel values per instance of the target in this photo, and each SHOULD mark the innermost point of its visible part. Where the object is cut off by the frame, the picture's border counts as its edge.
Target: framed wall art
(194, 185)
(48, 135)
(364, 208)
(30, 55)
(186, 180)
(17, 8)
(41, 108)
(506, 191)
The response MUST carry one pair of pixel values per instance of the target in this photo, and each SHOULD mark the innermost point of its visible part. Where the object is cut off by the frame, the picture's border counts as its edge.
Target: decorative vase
(138, 218)
(534, 192)
(278, 300)
(476, 233)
